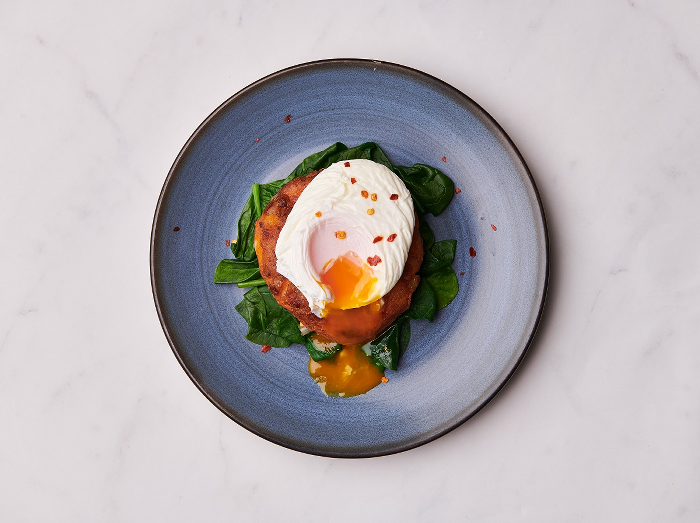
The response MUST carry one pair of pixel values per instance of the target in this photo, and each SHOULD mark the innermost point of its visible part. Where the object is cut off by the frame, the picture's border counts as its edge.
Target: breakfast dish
(339, 245)
(454, 365)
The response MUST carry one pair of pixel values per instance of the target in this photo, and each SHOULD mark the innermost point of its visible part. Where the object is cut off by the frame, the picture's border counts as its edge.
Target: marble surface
(100, 423)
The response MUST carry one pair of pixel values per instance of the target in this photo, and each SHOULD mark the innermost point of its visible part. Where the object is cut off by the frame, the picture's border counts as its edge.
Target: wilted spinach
(440, 255)
(318, 354)
(236, 271)
(384, 351)
(444, 283)
(268, 322)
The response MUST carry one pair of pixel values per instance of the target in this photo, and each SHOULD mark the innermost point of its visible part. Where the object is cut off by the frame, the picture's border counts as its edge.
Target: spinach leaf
(440, 255)
(404, 336)
(444, 283)
(260, 196)
(423, 303)
(252, 283)
(426, 233)
(320, 350)
(366, 151)
(236, 271)
(316, 161)
(244, 249)
(384, 350)
(431, 190)
(268, 322)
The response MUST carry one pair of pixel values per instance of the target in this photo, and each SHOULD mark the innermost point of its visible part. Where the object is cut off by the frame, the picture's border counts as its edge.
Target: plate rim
(352, 62)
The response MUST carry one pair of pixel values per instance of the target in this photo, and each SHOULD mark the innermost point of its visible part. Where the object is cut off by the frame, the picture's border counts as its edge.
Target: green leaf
(316, 161)
(255, 194)
(252, 283)
(384, 351)
(236, 271)
(260, 196)
(268, 322)
(365, 151)
(423, 303)
(426, 233)
(444, 283)
(404, 336)
(244, 248)
(440, 255)
(320, 350)
(431, 190)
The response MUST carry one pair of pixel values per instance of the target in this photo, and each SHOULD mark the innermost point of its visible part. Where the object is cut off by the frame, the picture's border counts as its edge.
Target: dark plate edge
(358, 61)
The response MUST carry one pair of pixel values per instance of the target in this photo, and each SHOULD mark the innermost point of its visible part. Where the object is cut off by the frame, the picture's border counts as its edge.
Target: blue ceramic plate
(453, 366)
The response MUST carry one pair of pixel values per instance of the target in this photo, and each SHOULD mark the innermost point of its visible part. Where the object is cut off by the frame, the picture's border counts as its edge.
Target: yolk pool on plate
(347, 373)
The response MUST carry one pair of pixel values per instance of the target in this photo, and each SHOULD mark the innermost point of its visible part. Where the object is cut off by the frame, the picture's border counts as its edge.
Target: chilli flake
(373, 261)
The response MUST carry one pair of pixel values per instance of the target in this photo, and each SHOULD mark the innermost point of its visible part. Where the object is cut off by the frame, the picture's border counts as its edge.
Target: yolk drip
(351, 280)
(355, 314)
(347, 373)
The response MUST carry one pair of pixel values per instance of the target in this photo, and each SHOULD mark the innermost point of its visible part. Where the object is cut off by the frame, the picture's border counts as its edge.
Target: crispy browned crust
(267, 231)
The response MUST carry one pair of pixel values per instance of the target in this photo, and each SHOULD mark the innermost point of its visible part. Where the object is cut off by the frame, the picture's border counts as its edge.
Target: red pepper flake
(175, 229)
(257, 140)
(384, 379)
(391, 237)
(228, 243)
(457, 191)
(394, 197)
(288, 118)
(347, 164)
(472, 252)
(444, 158)
(378, 239)
(317, 214)
(374, 261)
(493, 227)
(265, 348)
(341, 235)
(353, 180)
(364, 194)
(461, 274)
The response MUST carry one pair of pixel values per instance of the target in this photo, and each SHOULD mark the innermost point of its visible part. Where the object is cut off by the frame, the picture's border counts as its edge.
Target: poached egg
(345, 242)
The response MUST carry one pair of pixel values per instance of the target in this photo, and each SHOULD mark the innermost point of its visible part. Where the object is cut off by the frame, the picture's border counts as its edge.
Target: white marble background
(98, 422)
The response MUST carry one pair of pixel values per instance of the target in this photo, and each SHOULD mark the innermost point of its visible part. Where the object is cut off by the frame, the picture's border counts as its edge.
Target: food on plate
(339, 258)
(343, 273)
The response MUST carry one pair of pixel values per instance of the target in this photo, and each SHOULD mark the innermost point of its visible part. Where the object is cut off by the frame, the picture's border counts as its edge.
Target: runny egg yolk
(355, 315)
(347, 373)
(351, 280)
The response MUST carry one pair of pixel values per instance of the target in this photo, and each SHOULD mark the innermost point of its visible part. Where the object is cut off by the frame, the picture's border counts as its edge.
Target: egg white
(308, 242)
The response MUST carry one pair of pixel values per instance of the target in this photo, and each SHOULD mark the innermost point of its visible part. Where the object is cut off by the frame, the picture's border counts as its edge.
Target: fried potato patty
(351, 325)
